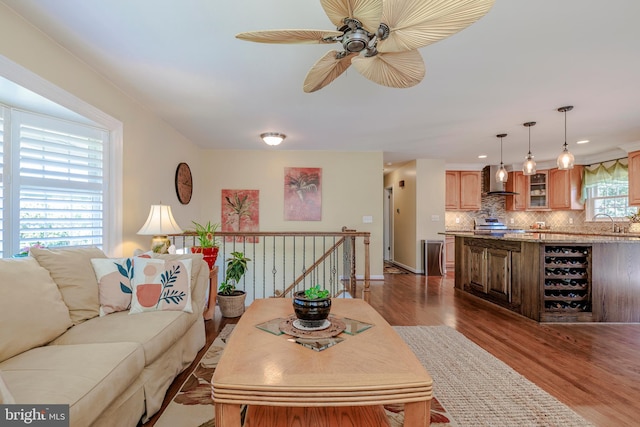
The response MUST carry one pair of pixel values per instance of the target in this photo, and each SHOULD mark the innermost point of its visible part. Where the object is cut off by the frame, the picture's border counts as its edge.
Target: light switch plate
(435, 217)
(367, 219)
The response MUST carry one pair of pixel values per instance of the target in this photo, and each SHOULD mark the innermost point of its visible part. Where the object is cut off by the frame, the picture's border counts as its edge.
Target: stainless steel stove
(492, 227)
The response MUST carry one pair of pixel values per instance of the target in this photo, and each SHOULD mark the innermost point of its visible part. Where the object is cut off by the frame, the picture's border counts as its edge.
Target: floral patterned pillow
(160, 284)
(114, 283)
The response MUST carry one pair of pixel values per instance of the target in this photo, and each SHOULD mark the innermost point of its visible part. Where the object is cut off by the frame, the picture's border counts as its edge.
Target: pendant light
(529, 166)
(501, 174)
(565, 159)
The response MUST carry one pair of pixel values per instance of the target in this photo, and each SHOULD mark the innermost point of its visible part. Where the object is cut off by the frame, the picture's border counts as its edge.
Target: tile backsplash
(494, 206)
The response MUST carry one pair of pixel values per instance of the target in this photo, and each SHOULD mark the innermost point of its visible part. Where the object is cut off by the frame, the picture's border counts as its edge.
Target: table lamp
(160, 224)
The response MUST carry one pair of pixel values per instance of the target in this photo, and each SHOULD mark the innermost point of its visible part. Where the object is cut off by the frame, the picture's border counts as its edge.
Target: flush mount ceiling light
(273, 138)
(501, 174)
(529, 166)
(565, 159)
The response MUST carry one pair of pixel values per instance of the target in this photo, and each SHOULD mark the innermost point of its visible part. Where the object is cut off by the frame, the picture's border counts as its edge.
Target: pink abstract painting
(302, 194)
(241, 212)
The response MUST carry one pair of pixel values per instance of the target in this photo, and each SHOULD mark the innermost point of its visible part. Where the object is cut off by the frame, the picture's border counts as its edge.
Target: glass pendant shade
(565, 159)
(502, 175)
(529, 165)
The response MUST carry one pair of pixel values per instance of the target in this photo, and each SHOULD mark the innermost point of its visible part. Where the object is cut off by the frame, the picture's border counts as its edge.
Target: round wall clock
(184, 183)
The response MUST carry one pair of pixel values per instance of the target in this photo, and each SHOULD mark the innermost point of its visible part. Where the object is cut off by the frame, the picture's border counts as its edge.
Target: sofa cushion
(156, 331)
(32, 312)
(160, 284)
(88, 377)
(72, 271)
(5, 395)
(199, 271)
(114, 277)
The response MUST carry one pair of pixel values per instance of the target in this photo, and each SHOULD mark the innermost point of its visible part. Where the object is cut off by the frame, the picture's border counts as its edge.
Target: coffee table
(374, 367)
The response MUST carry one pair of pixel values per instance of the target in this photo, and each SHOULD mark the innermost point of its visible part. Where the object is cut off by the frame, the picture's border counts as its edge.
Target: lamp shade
(160, 222)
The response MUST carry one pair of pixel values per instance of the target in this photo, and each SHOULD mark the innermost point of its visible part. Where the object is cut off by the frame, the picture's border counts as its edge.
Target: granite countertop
(547, 236)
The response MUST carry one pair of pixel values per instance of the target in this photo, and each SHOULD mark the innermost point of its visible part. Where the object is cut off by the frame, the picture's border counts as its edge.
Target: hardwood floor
(592, 368)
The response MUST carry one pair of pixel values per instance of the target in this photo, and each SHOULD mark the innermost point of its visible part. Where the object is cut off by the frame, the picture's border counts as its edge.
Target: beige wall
(418, 209)
(351, 189)
(152, 150)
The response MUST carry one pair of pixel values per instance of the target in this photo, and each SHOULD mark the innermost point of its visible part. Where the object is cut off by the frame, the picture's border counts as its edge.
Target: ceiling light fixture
(501, 174)
(565, 159)
(273, 138)
(529, 165)
(584, 141)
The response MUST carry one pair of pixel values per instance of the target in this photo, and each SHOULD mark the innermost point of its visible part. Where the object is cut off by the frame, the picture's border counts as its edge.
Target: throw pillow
(5, 395)
(114, 277)
(32, 312)
(161, 285)
(72, 271)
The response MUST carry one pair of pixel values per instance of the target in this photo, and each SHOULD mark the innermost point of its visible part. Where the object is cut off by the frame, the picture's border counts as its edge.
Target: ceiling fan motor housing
(355, 40)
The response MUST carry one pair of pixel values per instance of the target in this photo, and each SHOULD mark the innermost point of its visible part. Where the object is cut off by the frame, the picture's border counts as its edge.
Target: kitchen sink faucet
(613, 224)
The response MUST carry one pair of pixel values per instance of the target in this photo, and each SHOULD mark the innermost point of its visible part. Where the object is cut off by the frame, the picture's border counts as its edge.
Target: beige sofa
(112, 370)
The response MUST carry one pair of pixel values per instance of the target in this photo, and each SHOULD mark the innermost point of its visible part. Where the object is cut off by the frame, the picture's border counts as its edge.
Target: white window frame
(112, 236)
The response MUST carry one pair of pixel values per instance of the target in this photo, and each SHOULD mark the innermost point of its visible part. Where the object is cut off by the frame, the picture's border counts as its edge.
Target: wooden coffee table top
(370, 368)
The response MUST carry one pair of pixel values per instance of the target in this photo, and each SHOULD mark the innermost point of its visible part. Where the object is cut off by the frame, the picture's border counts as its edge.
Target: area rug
(480, 390)
(475, 388)
(193, 406)
(392, 269)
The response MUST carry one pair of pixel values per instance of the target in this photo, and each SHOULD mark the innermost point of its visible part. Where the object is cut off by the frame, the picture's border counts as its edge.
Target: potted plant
(230, 299)
(634, 222)
(208, 243)
(312, 307)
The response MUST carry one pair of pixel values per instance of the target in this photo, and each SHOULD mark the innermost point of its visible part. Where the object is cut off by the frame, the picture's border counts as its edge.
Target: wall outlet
(511, 221)
(570, 220)
(457, 220)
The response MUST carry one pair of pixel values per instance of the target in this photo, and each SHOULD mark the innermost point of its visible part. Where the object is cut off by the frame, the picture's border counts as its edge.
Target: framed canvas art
(240, 212)
(302, 194)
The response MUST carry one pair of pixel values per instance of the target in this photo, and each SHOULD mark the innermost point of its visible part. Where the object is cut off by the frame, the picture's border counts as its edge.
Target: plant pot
(311, 312)
(210, 255)
(232, 305)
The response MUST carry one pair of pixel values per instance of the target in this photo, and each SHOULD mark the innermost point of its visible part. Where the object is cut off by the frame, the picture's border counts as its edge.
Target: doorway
(388, 224)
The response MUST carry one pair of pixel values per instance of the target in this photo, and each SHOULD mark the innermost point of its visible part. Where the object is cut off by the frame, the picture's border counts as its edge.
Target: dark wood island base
(553, 277)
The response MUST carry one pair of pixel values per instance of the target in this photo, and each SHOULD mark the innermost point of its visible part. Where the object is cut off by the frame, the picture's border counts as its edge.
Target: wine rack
(567, 282)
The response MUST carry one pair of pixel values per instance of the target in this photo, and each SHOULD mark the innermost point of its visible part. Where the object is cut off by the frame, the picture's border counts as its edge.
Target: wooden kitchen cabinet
(537, 191)
(490, 272)
(517, 183)
(634, 178)
(487, 269)
(564, 189)
(452, 193)
(463, 190)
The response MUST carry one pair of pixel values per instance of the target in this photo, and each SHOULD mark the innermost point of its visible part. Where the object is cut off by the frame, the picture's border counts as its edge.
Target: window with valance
(605, 189)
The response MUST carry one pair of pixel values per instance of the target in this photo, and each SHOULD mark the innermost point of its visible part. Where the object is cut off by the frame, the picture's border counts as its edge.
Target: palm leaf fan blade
(368, 12)
(395, 69)
(417, 23)
(289, 36)
(326, 70)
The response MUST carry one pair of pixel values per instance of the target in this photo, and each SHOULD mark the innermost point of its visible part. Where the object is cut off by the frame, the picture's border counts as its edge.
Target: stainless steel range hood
(491, 186)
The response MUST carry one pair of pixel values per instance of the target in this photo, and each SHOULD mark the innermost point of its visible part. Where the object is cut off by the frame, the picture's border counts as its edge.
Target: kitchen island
(551, 277)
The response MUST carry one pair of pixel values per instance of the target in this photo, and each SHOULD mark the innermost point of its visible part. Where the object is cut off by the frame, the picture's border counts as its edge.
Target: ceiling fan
(380, 38)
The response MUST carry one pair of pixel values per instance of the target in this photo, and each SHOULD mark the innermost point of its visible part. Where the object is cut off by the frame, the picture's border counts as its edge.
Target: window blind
(58, 179)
